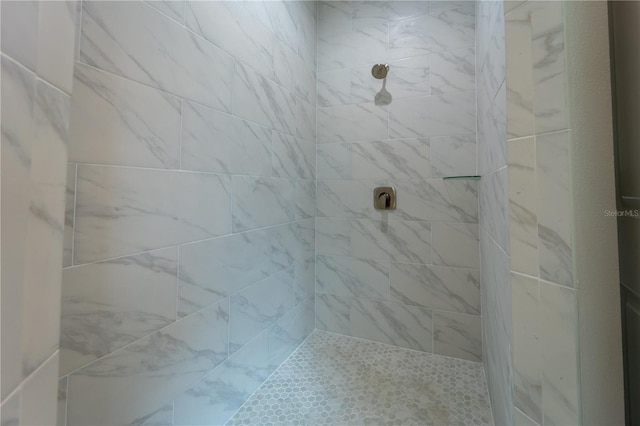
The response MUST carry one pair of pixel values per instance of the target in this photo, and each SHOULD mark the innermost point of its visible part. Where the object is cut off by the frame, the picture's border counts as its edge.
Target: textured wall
(189, 247)
(37, 66)
(408, 277)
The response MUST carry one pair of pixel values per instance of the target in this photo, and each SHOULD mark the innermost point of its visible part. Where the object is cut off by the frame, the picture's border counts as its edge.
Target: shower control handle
(384, 198)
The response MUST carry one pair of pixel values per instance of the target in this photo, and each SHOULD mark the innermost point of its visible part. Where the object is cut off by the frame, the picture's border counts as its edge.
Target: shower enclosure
(220, 160)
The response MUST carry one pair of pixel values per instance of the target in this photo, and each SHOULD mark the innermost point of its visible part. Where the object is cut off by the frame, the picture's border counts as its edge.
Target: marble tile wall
(36, 74)
(530, 325)
(545, 345)
(190, 217)
(409, 277)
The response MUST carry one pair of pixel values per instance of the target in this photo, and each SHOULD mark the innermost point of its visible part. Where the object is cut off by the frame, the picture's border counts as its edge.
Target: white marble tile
(305, 120)
(333, 161)
(292, 158)
(213, 141)
(38, 403)
(260, 202)
(497, 328)
(134, 40)
(120, 210)
(120, 122)
(305, 199)
(332, 313)
(455, 244)
(285, 63)
(400, 159)
(162, 417)
(457, 335)
(453, 71)
(527, 355)
(305, 279)
(110, 304)
(214, 399)
(306, 19)
(521, 419)
(351, 123)
(18, 98)
(492, 66)
(258, 99)
(558, 342)
(45, 227)
(332, 236)
(62, 402)
(554, 208)
(438, 287)
(349, 48)
(451, 201)
(365, 88)
(392, 323)
(56, 42)
(548, 53)
(334, 16)
(291, 242)
(211, 270)
(334, 87)
(290, 331)
(494, 207)
(349, 277)
(277, 17)
(346, 198)
(230, 26)
(442, 30)
(19, 32)
(131, 384)
(69, 213)
(396, 240)
(257, 307)
(449, 114)
(409, 78)
(453, 156)
(10, 411)
(173, 8)
(492, 150)
(519, 70)
(523, 206)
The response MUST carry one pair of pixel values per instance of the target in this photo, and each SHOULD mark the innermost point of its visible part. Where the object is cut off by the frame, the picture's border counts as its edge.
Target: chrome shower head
(380, 71)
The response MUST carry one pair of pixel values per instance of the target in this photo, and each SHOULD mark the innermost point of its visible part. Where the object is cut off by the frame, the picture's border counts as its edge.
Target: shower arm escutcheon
(380, 71)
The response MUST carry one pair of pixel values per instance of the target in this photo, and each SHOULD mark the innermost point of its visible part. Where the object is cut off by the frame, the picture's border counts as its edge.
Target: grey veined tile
(438, 287)
(455, 244)
(120, 122)
(139, 379)
(120, 210)
(392, 323)
(260, 202)
(107, 305)
(457, 335)
(214, 269)
(167, 56)
(349, 277)
(213, 141)
(391, 240)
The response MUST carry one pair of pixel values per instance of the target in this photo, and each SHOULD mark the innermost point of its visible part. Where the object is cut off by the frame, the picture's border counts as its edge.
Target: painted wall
(408, 277)
(37, 65)
(189, 249)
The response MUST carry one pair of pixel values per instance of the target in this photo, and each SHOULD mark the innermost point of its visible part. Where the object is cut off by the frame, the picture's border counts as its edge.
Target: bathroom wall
(494, 209)
(543, 280)
(408, 277)
(37, 63)
(189, 249)
(528, 226)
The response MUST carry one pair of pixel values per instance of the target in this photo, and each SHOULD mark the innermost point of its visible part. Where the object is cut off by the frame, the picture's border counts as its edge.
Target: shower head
(380, 71)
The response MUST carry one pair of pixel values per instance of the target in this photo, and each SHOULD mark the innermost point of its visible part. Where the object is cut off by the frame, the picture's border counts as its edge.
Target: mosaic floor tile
(338, 380)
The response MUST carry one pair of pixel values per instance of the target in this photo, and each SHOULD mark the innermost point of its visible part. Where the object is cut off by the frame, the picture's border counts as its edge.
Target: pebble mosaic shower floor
(338, 380)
